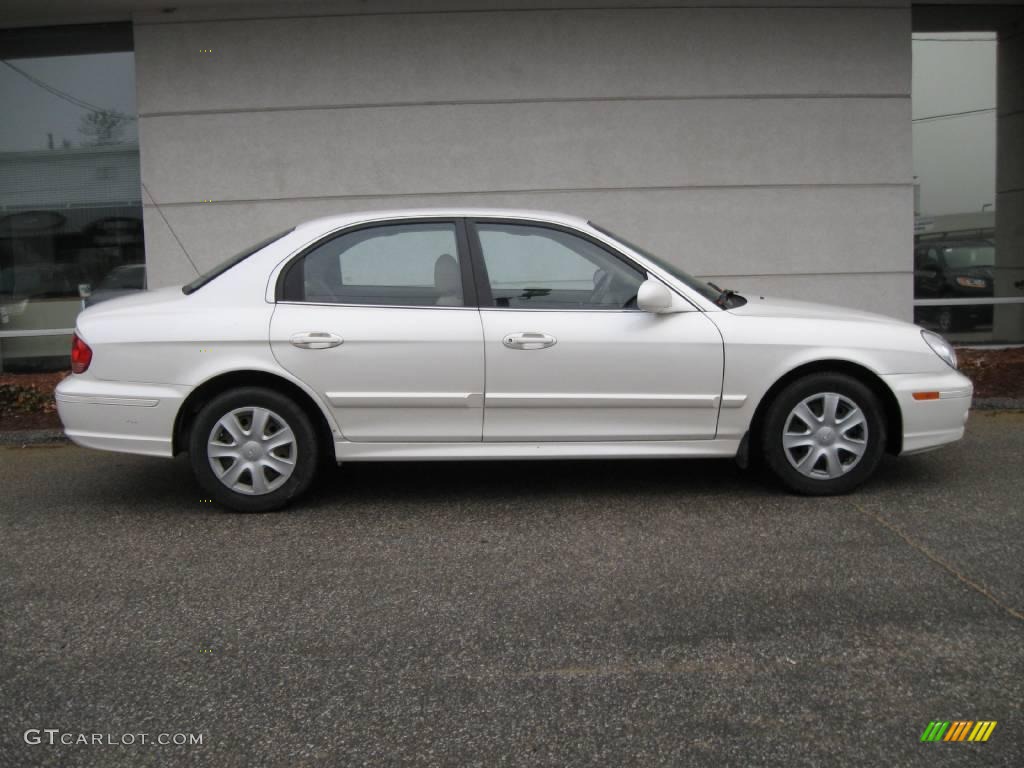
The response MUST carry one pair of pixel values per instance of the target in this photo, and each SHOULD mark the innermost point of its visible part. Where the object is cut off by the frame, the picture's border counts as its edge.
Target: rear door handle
(529, 340)
(315, 340)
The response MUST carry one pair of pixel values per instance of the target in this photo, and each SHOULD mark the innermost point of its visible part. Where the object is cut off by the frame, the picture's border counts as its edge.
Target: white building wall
(766, 147)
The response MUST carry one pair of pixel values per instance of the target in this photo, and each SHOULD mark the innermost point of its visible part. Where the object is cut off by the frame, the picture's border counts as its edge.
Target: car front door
(569, 357)
(381, 321)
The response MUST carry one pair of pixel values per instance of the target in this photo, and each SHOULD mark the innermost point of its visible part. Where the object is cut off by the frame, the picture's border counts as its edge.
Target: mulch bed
(995, 372)
(26, 399)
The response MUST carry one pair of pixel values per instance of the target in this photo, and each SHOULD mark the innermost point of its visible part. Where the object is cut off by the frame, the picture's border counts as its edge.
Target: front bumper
(929, 424)
(132, 417)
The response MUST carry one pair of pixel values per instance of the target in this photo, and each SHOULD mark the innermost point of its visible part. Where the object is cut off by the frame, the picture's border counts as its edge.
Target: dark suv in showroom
(954, 269)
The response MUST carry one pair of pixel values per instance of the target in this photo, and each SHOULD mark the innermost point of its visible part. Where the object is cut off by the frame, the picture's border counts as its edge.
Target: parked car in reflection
(38, 297)
(120, 281)
(954, 269)
(38, 281)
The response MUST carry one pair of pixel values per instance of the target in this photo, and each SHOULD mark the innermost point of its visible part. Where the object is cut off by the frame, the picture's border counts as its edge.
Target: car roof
(345, 219)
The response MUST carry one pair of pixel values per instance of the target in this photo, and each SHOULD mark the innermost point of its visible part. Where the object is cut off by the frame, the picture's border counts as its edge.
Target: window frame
(464, 257)
(67, 40)
(483, 286)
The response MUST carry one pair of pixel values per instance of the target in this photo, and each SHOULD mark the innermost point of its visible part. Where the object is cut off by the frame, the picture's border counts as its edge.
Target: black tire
(305, 458)
(779, 417)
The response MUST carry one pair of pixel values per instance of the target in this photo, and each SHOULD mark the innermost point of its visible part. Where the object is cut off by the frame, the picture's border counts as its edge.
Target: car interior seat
(447, 282)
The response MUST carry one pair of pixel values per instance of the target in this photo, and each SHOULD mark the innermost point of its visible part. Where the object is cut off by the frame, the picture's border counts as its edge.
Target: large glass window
(967, 265)
(70, 201)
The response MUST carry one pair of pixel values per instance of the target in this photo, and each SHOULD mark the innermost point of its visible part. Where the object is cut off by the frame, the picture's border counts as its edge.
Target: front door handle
(529, 340)
(315, 340)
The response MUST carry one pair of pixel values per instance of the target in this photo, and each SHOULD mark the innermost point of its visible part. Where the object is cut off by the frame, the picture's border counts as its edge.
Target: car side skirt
(646, 449)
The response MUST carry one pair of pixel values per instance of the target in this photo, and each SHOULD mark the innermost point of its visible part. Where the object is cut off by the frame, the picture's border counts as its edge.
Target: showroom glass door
(70, 200)
(968, 94)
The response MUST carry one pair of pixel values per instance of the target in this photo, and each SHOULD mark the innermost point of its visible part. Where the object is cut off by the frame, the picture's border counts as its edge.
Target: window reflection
(70, 202)
(954, 269)
(966, 264)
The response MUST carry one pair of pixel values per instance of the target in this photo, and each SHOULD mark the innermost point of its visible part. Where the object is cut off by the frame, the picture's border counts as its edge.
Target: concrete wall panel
(499, 147)
(418, 58)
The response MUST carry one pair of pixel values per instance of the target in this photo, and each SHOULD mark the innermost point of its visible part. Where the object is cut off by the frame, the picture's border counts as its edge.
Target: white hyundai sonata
(493, 334)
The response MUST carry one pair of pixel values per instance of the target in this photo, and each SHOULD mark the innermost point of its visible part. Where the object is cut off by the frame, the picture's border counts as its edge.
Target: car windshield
(701, 287)
(969, 255)
(227, 264)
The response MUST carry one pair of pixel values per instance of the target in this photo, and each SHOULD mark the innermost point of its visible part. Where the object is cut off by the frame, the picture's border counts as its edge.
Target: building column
(1009, 319)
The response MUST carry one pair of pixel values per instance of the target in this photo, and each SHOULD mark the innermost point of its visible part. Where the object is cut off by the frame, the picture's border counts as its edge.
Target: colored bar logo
(958, 730)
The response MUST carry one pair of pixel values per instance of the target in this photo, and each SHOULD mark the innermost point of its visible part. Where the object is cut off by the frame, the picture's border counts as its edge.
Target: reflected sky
(105, 80)
(954, 99)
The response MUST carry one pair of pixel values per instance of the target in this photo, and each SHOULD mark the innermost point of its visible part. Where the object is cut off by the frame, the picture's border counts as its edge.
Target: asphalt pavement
(514, 613)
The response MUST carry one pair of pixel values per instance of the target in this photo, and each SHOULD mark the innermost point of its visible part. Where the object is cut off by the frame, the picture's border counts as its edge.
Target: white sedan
(493, 334)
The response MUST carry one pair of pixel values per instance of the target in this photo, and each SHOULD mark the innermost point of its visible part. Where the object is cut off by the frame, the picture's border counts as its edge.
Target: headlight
(940, 347)
(970, 282)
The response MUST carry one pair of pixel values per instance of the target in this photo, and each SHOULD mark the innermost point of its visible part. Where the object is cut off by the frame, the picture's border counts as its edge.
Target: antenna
(169, 227)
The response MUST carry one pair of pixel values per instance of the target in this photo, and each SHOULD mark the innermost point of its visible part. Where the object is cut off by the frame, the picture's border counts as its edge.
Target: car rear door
(381, 321)
(568, 355)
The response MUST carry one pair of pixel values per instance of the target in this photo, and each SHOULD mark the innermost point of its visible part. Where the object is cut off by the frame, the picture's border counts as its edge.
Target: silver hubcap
(252, 451)
(825, 436)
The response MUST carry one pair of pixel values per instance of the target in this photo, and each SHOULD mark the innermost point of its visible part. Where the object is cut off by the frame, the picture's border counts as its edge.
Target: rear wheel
(824, 434)
(253, 449)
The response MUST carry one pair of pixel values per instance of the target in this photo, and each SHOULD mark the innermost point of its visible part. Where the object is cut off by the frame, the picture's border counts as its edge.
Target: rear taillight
(81, 355)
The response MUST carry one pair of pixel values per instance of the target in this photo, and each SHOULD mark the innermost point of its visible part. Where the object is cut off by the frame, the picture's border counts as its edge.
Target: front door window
(534, 267)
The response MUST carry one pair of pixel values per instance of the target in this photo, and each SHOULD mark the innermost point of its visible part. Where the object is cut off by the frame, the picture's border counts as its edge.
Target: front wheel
(824, 434)
(253, 449)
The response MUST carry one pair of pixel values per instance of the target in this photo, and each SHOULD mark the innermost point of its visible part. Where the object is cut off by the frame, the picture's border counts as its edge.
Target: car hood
(768, 306)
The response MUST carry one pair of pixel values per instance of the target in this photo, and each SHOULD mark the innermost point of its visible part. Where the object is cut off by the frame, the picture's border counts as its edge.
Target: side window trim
(483, 283)
(469, 297)
(470, 294)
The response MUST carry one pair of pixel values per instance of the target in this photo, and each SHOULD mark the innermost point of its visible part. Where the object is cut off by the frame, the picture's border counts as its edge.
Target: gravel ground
(559, 613)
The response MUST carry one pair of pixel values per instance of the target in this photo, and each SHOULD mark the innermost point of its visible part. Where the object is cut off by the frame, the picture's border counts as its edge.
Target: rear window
(227, 264)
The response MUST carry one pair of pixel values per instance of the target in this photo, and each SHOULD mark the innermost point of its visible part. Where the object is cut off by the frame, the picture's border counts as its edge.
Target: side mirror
(653, 297)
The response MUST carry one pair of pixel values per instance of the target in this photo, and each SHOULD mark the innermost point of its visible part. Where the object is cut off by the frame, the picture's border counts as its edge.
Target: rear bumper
(126, 417)
(929, 424)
